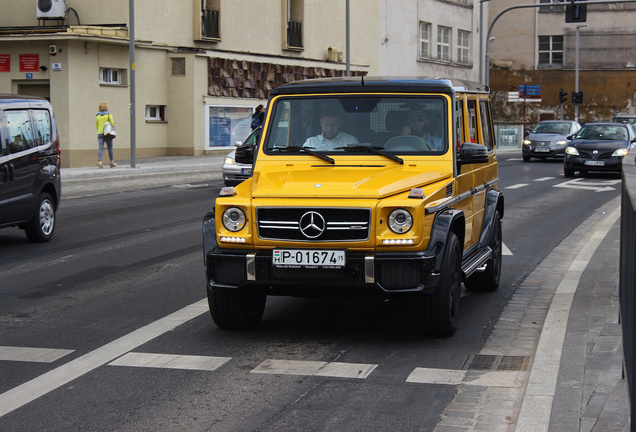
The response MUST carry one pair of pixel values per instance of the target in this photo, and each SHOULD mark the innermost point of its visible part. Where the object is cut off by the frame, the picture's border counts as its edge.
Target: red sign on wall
(29, 62)
(5, 62)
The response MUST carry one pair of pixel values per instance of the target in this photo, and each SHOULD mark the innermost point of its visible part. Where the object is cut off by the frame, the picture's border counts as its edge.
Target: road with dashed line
(105, 327)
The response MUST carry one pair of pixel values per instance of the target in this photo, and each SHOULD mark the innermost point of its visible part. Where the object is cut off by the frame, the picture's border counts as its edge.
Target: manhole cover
(496, 362)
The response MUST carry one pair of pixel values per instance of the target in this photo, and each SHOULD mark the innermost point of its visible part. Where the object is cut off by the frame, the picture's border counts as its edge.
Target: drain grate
(496, 362)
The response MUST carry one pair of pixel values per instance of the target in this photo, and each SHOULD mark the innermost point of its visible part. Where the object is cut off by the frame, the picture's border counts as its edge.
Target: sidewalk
(148, 172)
(559, 341)
(154, 165)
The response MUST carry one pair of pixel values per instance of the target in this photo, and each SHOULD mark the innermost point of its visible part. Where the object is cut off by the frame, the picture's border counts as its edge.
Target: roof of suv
(380, 84)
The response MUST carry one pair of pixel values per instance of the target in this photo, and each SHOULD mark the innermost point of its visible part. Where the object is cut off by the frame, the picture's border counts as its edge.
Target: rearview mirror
(470, 153)
(245, 154)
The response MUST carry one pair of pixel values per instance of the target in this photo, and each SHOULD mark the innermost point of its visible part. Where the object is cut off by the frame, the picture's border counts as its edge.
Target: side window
(42, 126)
(459, 122)
(20, 130)
(486, 124)
(472, 120)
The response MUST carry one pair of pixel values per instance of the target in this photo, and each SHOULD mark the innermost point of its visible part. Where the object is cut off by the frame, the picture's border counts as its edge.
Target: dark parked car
(598, 147)
(548, 139)
(233, 172)
(30, 187)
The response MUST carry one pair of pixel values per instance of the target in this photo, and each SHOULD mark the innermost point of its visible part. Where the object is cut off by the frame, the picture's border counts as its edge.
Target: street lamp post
(576, 70)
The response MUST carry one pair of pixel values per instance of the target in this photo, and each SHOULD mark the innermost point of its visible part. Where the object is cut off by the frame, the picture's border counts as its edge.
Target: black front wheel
(42, 225)
(237, 310)
(437, 314)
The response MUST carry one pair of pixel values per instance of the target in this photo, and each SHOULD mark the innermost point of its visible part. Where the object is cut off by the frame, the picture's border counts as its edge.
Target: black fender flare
(494, 201)
(209, 235)
(447, 221)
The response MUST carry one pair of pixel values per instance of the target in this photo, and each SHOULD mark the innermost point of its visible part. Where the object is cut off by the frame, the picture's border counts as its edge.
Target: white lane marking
(602, 186)
(514, 159)
(508, 379)
(505, 250)
(36, 355)
(542, 179)
(170, 361)
(537, 402)
(31, 390)
(517, 186)
(317, 368)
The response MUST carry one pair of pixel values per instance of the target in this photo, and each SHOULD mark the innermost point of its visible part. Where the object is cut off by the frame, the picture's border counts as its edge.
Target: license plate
(594, 163)
(246, 171)
(542, 149)
(308, 258)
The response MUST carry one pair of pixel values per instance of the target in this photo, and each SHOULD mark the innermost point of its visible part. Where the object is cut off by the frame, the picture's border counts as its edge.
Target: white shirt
(319, 143)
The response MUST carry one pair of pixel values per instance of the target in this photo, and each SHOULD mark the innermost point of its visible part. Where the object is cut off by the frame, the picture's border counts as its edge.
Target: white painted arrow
(595, 186)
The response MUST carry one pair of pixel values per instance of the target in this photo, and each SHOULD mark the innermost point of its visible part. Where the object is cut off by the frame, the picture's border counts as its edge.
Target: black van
(30, 185)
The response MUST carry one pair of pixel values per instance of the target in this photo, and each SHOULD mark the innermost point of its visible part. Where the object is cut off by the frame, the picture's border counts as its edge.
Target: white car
(234, 173)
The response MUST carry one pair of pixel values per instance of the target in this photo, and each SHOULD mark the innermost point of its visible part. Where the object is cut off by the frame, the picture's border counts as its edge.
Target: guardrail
(627, 280)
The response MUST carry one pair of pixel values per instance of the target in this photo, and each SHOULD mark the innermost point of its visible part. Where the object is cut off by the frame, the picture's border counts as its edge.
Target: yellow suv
(362, 187)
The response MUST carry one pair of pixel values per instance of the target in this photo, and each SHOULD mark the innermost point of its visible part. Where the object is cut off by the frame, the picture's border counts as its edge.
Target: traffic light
(575, 13)
(577, 97)
(562, 96)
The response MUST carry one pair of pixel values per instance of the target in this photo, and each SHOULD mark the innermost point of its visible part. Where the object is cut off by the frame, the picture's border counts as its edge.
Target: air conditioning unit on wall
(50, 8)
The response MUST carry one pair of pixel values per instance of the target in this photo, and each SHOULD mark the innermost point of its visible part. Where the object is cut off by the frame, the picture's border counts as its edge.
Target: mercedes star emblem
(312, 224)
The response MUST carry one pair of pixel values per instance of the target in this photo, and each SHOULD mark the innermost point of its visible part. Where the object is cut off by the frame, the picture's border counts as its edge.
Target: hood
(342, 181)
(601, 145)
(548, 137)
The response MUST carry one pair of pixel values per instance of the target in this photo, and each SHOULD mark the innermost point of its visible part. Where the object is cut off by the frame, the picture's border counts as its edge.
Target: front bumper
(386, 274)
(579, 163)
(543, 151)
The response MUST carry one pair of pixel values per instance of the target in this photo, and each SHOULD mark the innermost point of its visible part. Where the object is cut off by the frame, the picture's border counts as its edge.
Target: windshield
(360, 124)
(602, 132)
(555, 128)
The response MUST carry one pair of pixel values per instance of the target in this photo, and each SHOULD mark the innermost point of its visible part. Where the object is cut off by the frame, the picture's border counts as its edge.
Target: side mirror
(470, 153)
(527, 132)
(245, 154)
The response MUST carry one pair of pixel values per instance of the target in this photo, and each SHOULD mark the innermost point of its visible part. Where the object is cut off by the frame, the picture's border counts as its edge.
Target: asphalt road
(120, 288)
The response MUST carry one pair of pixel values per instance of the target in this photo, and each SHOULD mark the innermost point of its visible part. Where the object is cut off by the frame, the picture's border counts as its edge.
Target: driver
(331, 136)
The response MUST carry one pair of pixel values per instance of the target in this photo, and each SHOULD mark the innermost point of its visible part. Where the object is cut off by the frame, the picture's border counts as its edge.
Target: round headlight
(234, 219)
(400, 221)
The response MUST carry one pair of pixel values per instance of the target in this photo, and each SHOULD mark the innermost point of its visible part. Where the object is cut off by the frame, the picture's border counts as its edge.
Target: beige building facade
(201, 66)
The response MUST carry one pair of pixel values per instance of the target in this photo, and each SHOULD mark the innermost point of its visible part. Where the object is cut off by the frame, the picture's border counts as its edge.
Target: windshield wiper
(306, 150)
(372, 149)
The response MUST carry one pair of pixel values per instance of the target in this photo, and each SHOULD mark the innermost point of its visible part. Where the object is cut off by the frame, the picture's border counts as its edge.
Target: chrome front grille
(321, 224)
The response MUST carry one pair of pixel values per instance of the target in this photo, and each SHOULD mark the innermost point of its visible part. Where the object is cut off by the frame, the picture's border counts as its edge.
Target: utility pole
(348, 44)
(131, 55)
(576, 72)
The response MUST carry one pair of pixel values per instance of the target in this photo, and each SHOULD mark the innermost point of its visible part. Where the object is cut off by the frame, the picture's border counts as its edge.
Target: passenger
(417, 123)
(331, 136)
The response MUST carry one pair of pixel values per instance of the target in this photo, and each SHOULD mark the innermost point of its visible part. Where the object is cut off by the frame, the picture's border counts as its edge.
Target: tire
(40, 228)
(526, 158)
(568, 172)
(488, 280)
(237, 310)
(436, 315)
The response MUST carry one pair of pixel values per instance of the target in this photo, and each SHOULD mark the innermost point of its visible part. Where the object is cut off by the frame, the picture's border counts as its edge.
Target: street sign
(524, 93)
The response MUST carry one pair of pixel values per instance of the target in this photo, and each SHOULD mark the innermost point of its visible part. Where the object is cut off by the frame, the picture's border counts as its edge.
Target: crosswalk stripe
(170, 361)
(37, 355)
(507, 379)
(517, 186)
(542, 179)
(316, 368)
